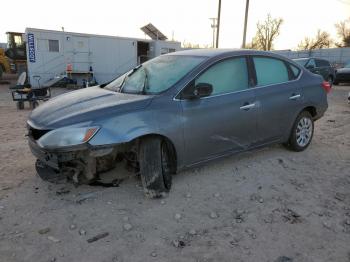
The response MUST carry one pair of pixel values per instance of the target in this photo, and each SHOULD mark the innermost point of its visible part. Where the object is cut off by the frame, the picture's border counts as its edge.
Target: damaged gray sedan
(177, 111)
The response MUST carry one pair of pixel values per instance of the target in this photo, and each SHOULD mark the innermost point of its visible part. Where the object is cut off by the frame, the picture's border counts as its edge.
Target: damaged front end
(74, 159)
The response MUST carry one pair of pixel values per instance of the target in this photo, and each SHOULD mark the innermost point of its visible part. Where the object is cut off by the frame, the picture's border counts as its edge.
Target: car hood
(343, 70)
(84, 105)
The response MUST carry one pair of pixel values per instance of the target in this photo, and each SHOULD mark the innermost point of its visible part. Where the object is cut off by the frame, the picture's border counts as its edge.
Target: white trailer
(55, 54)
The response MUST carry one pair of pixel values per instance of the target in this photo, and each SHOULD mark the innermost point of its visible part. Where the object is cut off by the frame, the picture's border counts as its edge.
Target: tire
(335, 82)
(330, 80)
(20, 105)
(302, 132)
(34, 104)
(154, 160)
(1, 71)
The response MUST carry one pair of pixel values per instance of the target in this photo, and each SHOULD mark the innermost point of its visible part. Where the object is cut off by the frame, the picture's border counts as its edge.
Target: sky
(185, 20)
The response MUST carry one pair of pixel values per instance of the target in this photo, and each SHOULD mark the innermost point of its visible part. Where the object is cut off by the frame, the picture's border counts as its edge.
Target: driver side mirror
(198, 91)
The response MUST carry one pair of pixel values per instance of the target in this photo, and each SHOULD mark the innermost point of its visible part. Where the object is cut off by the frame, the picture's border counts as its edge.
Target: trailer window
(53, 46)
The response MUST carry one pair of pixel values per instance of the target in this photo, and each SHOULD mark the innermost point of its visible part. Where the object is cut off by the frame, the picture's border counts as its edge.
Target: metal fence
(337, 56)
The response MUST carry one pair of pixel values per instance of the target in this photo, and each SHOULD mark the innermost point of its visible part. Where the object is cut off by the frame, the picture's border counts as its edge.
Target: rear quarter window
(270, 71)
(295, 71)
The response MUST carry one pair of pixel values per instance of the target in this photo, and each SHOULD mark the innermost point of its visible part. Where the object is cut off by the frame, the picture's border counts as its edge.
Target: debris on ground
(192, 232)
(291, 216)
(339, 196)
(127, 227)
(81, 198)
(213, 215)
(53, 239)
(44, 230)
(97, 237)
(238, 215)
(284, 259)
(178, 216)
(178, 243)
(62, 191)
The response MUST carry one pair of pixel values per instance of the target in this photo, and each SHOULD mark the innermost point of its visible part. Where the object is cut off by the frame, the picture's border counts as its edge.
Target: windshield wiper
(127, 76)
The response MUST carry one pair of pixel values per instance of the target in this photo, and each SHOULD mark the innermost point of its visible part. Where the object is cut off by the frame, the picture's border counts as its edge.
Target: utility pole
(245, 23)
(218, 25)
(213, 26)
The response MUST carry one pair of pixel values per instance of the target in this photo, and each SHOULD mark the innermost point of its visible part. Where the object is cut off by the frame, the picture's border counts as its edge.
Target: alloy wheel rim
(304, 131)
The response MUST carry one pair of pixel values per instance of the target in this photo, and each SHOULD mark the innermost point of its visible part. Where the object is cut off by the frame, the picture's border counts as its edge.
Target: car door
(225, 121)
(322, 68)
(278, 97)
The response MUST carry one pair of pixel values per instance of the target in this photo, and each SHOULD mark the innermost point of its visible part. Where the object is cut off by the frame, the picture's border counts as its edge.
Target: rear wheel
(155, 166)
(330, 80)
(302, 132)
(20, 105)
(34, 104)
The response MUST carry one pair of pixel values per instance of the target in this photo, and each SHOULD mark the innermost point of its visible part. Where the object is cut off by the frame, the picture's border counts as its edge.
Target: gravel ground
(266, 205)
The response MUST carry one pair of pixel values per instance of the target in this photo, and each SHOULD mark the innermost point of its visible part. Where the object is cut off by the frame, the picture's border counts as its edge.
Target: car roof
(218, 52)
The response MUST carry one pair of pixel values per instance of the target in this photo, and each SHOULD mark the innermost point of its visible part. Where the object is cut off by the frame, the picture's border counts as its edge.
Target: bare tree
(321, 40)
(266, 33)
(193, 45)
(343, 31)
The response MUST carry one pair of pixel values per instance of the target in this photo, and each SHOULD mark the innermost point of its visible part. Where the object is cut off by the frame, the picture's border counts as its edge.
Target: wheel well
(311, 110)
(170, 145)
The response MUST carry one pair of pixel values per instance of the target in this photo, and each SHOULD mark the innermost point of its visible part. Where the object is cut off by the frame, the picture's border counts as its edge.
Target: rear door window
(270, 71)
(322, 63)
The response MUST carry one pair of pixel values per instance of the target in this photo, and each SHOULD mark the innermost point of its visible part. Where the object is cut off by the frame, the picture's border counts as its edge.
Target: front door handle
(294, 97)
(247, 106)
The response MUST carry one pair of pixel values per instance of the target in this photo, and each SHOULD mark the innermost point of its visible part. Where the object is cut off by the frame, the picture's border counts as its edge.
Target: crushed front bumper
(54, 158)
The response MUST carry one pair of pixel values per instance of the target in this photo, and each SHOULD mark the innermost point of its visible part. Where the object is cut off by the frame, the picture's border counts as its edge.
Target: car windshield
(156, 75)
(301, 61)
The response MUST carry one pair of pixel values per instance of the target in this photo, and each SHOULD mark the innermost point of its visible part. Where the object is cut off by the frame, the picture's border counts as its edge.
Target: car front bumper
(54, 158)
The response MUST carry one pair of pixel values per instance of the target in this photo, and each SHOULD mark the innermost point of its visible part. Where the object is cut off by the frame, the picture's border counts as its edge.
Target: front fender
(162, 118)
(124, 128)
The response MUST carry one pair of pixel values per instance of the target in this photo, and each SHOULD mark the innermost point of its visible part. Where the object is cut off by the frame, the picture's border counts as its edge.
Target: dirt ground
(266, 205)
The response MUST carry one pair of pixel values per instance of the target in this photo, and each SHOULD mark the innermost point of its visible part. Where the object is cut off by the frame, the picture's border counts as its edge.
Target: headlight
(67, 136)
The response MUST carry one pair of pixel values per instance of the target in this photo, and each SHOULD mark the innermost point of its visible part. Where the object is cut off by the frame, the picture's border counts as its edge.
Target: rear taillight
(326, 86)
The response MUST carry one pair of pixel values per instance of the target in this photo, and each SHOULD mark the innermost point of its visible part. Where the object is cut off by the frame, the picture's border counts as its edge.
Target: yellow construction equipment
(4, 63)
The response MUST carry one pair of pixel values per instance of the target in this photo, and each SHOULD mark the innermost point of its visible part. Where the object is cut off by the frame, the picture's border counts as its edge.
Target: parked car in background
(318, 66)
(177, 111)
(342, 75)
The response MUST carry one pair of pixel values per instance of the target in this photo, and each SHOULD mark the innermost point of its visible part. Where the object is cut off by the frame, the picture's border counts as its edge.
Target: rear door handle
(294, 97)
(247, 106)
